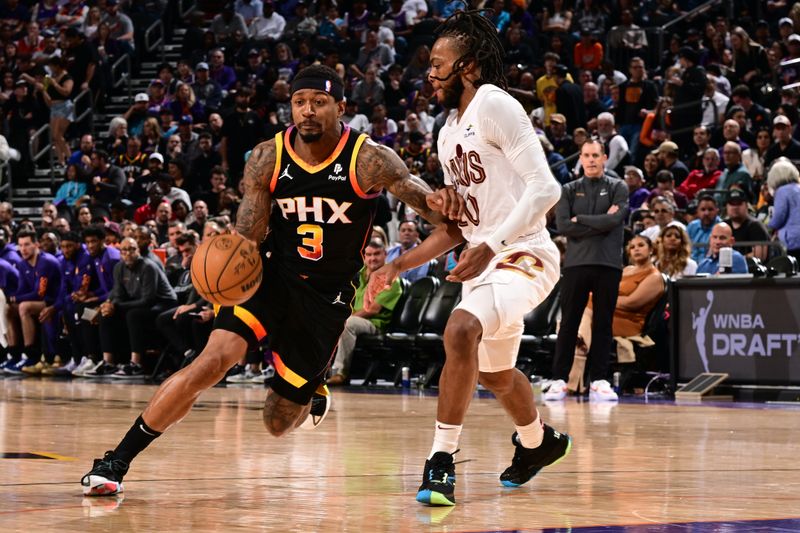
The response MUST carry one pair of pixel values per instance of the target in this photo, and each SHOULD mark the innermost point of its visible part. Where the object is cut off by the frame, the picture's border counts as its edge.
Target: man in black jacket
(591, 214)
(569, 100)
(141, 291)
(687, 110)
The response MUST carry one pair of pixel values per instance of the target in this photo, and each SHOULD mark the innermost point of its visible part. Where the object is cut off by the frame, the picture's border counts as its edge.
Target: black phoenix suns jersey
(321, 219)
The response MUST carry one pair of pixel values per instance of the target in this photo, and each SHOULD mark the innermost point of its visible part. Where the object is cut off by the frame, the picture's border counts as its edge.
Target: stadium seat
(538, 338)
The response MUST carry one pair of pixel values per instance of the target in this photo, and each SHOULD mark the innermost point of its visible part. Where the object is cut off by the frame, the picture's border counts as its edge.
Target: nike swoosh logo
(147, 432)
(440, 427)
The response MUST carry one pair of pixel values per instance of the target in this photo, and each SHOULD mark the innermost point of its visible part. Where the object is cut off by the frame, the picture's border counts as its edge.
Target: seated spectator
(704, 178)
(368, 92)
(227, 22)
(83, 218)
(188, 139)
(637, 193)
(588, 52)
(372, 54)
(303, 24)
(133, 118)
(353, 117)
(735, 174)
(665, 186)
(121, 26)
(147, 211)
(268, 27)
(408, 236)
(208, 91)
(701, 137)
(640, 288)
(248, 9)
(785, 145)
(699, 229)
(285, 62)
(563, 143)
(783, 181)
(179, 210)
(615, 144)
(224, 75)
(73, 191)
(745, 227)
(33, 304)
(754, 158)
(162, 219)
(721, 237)
(186, 104)
(133, 161)
(106, 183)
(591, 100)
(731, 130)
(663, 215)
(188, 325)
(667, 154)
(365, 320)
(215, 186)
(127, 322)
(673, 250)
(166, 181)
(151, 137)
(83, 155)
(558, 167)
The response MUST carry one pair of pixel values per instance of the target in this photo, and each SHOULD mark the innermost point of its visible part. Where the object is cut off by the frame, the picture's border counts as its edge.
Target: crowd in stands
(705, 135)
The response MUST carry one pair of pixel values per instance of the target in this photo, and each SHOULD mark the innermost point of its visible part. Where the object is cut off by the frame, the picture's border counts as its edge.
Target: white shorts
(518, 279)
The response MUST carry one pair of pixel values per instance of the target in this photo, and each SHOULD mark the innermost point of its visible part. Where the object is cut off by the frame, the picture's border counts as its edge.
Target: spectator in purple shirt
(637, 193)
(33, 304)
(220, 72)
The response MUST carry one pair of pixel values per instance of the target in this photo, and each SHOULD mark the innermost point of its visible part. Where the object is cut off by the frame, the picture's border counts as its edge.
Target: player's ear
(340, 107)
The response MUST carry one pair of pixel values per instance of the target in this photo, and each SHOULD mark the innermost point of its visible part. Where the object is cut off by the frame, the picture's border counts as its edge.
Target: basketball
(226, 270)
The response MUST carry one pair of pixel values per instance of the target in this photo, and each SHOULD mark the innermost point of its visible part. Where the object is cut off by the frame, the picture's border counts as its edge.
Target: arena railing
(122, 75)
(151, 44)
(702, 8)
(185, 7)
(5, 180)
(47, 150)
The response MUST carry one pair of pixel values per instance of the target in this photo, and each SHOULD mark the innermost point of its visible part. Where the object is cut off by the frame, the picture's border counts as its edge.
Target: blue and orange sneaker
(527, 462)
(438, 480)
(105, 477)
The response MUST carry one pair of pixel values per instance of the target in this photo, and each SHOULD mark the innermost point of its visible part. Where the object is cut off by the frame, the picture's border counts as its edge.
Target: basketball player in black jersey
(324, 178)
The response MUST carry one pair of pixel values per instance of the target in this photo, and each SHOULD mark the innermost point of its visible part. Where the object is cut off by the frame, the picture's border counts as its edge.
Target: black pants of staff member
(184, 332)
(576, 285)
(130, 330)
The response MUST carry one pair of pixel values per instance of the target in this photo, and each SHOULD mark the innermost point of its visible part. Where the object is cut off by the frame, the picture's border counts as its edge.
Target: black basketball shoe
(528, 461)
(438, 480)
(320, 405)
(105, 477)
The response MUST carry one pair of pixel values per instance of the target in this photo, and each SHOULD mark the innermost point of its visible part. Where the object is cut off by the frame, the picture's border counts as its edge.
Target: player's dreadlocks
(478, 37)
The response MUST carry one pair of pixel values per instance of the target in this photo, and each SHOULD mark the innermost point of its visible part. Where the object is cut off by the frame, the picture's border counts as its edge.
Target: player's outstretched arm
(252, 218)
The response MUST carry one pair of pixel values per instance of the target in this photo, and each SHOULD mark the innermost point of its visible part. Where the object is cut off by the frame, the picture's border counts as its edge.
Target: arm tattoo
(379, 166)
(252, 218)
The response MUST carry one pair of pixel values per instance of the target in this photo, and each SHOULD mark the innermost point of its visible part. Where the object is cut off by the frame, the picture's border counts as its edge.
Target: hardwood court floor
(631, 464)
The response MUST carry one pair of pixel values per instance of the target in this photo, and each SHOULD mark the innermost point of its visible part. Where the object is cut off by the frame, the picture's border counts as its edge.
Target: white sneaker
(264, 375)
(601, 391)
(84, 366)
(243, 377)
(557, 391)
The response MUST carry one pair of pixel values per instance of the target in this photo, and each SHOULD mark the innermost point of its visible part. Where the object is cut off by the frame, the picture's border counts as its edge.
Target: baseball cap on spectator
(201, 66)
(781, 120)
(21, 83)
(156, 81)
(141, 97)
(667, 147)
(157, 157)
(253, 52)
(794, 38)
(733, 110)
(185, 120)
(737, 196)
(786, 20)
(562, 70)
(112, 228)
(48, 33)
(635, 170)
(689, 53)
(558, 118)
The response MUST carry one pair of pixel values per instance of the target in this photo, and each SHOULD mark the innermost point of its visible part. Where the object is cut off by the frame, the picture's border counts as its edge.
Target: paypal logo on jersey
(337, 169)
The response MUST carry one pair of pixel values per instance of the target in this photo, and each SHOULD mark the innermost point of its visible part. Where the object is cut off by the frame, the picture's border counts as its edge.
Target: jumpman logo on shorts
(286, 174)
(338, 299)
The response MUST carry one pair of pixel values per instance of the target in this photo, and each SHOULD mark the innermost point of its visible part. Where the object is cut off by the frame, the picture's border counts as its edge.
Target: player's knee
(462, 329)
(500, 383)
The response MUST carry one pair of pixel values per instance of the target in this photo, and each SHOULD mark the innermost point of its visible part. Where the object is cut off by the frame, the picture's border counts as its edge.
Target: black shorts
(303, 321)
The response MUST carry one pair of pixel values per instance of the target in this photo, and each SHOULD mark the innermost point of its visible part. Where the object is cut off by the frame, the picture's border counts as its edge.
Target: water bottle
(725, 260)
(536, 385)
(405, 377)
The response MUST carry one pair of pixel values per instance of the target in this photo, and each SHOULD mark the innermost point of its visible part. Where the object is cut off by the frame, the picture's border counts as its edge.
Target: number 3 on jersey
(312, 242)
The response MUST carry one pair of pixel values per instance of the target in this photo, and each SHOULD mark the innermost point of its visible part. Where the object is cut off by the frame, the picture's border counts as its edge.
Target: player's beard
(309, 138)
(452, 93)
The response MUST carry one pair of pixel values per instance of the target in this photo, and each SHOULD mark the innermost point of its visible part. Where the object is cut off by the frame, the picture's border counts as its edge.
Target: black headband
(331, 86)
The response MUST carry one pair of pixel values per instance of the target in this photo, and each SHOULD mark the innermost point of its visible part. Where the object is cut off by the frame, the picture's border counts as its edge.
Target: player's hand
(46, 314)
(379, 281)
(613, 209)
(206, 315)
(472, 262)
(447, 202)
(182, 309)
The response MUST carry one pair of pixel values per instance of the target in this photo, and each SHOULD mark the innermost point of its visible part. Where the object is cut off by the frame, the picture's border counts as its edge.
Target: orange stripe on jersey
(276, 172)
(285, 372)
(331, 158)
(353, 178)
(251, 321)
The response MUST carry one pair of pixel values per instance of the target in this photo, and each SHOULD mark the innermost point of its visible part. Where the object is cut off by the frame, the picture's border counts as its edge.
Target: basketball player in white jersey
(492, 157)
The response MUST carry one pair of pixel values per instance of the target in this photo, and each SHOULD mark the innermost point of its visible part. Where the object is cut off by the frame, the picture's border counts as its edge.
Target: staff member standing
(591, 214)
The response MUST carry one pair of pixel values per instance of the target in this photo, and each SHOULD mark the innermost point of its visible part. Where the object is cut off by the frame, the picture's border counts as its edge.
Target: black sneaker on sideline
(438, 480)
(528, 461)
(105, 477)
(320, 405)
(129, 371)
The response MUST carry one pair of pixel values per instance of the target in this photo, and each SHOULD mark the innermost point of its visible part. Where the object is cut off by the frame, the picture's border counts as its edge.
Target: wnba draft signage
(752, 333)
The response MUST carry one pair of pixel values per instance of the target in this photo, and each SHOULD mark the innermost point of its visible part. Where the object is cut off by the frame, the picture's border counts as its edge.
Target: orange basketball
(226, 269)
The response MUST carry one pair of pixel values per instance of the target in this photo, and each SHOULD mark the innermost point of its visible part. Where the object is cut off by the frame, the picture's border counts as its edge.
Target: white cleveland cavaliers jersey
(473, 152)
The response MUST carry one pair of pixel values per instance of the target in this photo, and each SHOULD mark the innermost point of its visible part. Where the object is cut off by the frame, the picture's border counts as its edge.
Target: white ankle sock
(531, 436)
(445, 438)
